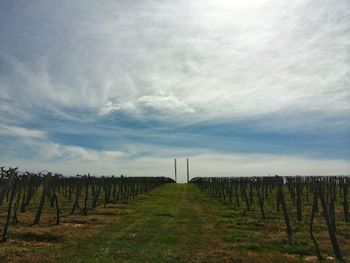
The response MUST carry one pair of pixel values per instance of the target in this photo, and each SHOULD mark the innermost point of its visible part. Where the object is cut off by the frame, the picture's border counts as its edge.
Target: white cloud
(266, 164)
(21, 132)
(111, 107)
(50, 151)
(209, 59)
(167, 103)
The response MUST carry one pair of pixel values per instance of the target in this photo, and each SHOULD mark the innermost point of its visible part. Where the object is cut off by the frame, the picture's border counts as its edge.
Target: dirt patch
(83, 221)
(311, 258)
(219, 255)
(165, 214)
(38, 236)
(24, 255)
(108, 213)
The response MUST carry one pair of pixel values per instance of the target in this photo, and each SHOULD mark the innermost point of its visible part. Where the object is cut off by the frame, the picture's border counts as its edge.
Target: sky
(242, 88)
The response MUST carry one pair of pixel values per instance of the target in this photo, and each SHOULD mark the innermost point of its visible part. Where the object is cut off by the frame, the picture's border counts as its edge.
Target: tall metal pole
(175, 170)
(188, 171)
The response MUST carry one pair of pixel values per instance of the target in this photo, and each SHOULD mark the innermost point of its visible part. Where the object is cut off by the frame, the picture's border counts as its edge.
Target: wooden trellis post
(175, 170)
(188, 171)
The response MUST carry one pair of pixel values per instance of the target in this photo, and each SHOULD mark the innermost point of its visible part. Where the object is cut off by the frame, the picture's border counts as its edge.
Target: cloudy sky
(241, 87)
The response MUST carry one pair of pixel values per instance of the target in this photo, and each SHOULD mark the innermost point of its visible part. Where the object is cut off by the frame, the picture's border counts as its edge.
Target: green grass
(173, 223)
(167, 226)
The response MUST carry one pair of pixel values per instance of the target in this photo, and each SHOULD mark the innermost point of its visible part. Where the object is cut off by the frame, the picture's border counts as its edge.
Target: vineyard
(152, 219)
(296, 199)
(23, 193)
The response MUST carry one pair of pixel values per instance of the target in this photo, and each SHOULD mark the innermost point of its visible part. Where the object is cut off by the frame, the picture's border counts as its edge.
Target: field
(171, 223)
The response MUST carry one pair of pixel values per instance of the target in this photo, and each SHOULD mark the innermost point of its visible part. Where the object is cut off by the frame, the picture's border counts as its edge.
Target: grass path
(174, 224)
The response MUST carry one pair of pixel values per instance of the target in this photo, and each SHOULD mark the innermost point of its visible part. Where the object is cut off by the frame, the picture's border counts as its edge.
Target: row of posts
(188, 170)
